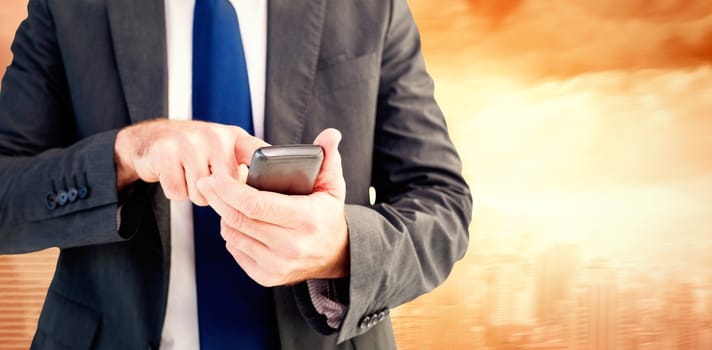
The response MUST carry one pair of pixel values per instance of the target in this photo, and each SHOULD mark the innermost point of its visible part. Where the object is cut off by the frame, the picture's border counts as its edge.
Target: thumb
(242, 173)
(245, 146)
(331, 176)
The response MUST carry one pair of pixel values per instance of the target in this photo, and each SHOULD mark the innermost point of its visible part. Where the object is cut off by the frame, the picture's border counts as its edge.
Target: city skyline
(516, 301)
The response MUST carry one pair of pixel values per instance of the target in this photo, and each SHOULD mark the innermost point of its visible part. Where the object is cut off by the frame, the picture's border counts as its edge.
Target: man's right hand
(179, 153)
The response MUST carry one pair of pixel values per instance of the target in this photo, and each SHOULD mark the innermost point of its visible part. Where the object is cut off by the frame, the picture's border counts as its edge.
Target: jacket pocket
(65, 324)
(346, 72)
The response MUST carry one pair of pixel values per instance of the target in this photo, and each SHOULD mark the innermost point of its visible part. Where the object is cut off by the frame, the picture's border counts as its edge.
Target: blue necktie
(234, 312)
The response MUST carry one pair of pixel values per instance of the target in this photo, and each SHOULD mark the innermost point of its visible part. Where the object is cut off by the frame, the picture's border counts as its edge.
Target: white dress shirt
(180, 329)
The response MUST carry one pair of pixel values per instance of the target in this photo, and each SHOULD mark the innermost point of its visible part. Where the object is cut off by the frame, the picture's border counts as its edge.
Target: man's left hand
(279, 239)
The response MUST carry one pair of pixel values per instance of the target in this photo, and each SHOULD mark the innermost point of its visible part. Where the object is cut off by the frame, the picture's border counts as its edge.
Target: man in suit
(90, 164)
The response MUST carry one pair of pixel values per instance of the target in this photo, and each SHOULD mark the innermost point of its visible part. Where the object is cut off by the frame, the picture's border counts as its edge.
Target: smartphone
(287, 169)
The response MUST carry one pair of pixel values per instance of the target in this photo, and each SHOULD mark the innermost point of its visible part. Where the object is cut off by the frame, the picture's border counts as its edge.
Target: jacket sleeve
(406, 244)
(54, 191)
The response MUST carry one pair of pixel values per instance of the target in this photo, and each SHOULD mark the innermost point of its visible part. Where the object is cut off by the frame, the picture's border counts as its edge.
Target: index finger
(271, 207)
(220, 158)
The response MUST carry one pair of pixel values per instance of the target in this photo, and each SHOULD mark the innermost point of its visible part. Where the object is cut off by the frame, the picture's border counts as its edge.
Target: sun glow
(584, 132)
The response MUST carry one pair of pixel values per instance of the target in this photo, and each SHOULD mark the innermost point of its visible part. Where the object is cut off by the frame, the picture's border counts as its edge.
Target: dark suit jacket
(83, 69)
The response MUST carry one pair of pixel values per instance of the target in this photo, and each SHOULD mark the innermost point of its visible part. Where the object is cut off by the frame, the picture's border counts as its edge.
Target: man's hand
(279, 239)
(178, 153)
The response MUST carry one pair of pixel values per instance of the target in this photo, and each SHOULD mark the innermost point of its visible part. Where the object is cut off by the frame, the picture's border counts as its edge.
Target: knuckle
(166, 147)
(243, 245)
(213, 138)
(184, 141)
(236, 131)
(195, 196)
(254, 206)
(234, 252)
(290, 250)
(235, 219)
(211, 132)
(227, 232)
(295, 250)
(199, 201)
(231, 248)
(178, 188)
(173, 188)
(310, 225)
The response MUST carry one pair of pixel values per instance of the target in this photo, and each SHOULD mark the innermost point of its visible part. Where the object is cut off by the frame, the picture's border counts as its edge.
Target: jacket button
(375, 319)
(365, 322)
(51, 201)
(83, 192)
(62, 198)
(381, 316)
(72, 193)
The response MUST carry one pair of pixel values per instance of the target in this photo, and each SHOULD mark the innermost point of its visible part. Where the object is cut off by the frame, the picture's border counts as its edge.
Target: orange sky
(579, 117)
(590, 107)
(562, 37)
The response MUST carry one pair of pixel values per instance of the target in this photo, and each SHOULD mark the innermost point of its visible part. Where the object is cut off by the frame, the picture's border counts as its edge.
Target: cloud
(656, 10)
(690, 51)
(599, 130)
(494, 11)
(562, 38)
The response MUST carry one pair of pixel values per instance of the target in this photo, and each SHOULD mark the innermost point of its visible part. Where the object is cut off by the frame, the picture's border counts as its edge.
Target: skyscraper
(597, 308)
(556, 270)
(509, 294)
(680, 318)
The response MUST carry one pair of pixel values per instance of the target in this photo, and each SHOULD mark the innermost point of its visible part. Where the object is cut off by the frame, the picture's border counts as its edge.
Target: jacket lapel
(138, 32)
(293, 41)
(139, 37)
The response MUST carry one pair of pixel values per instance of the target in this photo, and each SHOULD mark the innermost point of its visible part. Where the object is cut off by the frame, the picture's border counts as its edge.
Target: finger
(255, 249)
(331, 178)
(245, 261)
(242, 172)
(227, 232)
(277, 248)
(146, 170)
(196, 168)
(249, 265)
(245, 146)
(225, 194)
(221, 207)
(221, 160)
(265, 233)
(172, 178)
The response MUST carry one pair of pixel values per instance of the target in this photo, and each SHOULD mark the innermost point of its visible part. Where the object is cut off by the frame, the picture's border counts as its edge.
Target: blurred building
(680, 318)
(509, 299)
(509, 292)
(595, 322)
(556, 270)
